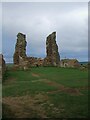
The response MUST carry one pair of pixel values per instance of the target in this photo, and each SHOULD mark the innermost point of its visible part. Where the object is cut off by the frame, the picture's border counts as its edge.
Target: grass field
(46, 92)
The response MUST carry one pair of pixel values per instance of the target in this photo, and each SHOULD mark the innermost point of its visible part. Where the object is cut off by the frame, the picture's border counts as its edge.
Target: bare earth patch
(72, 91)
(37, 106)
(35, 75)
(26, 106)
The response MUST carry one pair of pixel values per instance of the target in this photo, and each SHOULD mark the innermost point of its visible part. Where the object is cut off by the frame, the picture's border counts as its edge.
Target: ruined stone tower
(20, 49)
(52, 58)
(22, 61)
(2, 66)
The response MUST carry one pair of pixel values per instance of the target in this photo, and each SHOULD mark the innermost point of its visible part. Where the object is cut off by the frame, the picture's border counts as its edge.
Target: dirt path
(60, 87)
(71, 91)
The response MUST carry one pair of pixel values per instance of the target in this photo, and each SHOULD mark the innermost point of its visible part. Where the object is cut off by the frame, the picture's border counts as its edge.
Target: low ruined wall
(34, 61)
(74, 63)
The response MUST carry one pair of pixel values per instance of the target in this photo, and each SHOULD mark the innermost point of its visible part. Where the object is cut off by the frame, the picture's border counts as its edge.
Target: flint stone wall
(52, 57)
(22, 61)
(19, 57)
(74, 63)
(34, 61)
(2, 66)
(20, 49)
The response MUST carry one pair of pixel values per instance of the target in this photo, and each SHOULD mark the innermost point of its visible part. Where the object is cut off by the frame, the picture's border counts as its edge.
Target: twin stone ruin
(21, 60)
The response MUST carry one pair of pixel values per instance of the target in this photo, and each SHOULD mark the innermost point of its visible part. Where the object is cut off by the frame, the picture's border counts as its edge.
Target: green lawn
(58, 92)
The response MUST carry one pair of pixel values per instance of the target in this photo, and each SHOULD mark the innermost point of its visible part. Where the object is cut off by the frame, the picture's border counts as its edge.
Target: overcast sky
(44, 0)
(38, 20)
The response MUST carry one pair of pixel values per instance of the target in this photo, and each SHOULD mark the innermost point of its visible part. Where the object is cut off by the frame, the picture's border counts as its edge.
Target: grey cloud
(38, 20)
(44, 0)
(0, 28)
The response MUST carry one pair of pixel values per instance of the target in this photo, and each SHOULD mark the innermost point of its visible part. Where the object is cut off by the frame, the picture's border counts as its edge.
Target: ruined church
(22, 60)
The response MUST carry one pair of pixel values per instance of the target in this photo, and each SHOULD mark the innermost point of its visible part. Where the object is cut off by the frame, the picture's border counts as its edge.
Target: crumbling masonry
(20, 58)
(20, 49)
(53, 57)
(20, 52)
(2, 66)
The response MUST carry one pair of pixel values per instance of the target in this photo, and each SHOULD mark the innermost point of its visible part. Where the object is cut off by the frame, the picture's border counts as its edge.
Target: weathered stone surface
(34, 61)
(53, 57)
(20, 49)
(2, 65)
(19, 57)
(69, 63)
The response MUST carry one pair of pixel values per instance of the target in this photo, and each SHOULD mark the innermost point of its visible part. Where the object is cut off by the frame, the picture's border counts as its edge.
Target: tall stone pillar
(20, 49)
(20, 57)
(52, 57)
(2, 66)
